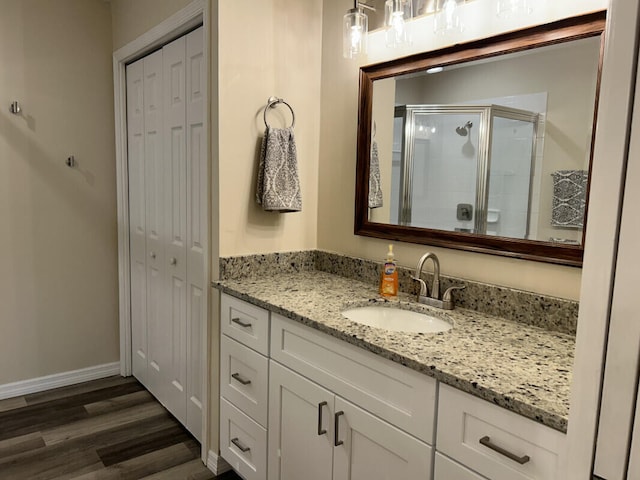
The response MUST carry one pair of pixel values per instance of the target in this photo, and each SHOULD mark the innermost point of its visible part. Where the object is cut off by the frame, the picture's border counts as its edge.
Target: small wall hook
(15, 107)
(70, 162)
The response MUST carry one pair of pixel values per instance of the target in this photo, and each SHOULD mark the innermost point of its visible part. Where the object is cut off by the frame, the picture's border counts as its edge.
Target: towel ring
(271, 103)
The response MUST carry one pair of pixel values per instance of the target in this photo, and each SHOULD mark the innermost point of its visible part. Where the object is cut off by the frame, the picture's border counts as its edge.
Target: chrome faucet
(433, 300)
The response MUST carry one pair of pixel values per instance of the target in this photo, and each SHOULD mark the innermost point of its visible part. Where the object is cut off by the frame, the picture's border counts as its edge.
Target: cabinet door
(371, 449)
(300, 427)
(447, 469)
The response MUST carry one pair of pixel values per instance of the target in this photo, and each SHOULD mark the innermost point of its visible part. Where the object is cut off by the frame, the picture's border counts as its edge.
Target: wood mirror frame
(575, 28)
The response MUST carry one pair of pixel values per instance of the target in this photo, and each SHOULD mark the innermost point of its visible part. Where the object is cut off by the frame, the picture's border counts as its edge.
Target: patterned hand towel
(278, 187)
(375, 190)
(569, 198)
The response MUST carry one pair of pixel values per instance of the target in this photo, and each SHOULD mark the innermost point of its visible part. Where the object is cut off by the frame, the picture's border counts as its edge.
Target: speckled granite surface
(547, 312)
(266, 264)
(522, 368)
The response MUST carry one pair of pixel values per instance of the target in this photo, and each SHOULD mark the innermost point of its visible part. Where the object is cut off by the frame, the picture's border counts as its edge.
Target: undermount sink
(396, 319)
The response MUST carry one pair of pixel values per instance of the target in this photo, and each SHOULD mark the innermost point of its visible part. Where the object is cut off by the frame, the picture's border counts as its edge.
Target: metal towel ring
(271, 103)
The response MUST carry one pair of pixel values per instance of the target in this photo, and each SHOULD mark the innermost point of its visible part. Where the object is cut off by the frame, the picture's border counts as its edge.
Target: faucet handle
(447, 294)
(423, 286)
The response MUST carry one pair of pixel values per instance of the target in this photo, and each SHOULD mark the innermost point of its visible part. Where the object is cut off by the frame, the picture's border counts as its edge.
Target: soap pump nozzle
(390, 252)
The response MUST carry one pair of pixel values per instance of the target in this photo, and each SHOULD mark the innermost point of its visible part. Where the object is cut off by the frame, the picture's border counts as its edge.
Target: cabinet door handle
(241, 323)
(336, 426)
(173, 261)
(486, 441)
(237, 377)
(321, 431)
(237, 443)
(152, 255)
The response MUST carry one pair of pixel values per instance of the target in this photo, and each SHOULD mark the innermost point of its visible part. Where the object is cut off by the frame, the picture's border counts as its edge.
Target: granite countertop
(524, 369)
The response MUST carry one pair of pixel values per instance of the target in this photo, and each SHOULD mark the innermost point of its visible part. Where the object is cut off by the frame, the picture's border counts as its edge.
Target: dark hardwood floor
(102, 430)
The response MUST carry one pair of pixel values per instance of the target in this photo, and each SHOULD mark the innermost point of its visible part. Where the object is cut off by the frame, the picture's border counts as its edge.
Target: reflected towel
(278, 187)
(569, 198)
(375, 190)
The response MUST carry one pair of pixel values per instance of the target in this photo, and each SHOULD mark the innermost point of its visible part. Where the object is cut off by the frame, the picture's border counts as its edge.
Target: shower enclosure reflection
(465, 168)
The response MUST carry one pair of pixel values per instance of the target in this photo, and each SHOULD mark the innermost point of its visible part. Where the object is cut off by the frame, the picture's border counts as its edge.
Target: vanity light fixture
(447, 17)
(435, 70)
(396, 15)
(354, 33)
(513, 8)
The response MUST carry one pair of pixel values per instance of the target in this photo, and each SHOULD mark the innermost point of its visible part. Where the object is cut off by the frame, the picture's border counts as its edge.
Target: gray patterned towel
(569, 198)
(278, 187)
(375, 191)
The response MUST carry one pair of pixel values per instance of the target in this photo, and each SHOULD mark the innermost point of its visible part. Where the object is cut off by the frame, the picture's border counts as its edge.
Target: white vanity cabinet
(299, 404)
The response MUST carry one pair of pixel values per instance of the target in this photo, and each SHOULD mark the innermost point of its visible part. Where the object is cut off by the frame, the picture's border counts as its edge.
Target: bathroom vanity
(307, 393)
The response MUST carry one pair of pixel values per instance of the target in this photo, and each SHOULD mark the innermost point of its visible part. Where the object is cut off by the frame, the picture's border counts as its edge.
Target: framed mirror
(484, 146)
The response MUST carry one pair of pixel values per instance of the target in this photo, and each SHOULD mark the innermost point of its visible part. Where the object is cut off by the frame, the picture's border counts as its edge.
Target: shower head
(464, 130)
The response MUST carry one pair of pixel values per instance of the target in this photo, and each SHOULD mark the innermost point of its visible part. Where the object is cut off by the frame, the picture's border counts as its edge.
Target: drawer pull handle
(237, 377)
(486, 441)
(336, 428)
(321, 431)
(241, 323)
(237, 443)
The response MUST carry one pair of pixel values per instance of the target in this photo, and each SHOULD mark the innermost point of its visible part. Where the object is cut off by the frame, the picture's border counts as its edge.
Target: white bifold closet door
(168, 195)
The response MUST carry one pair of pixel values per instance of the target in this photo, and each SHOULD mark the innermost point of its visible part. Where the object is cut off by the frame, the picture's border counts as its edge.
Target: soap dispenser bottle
(389, 276)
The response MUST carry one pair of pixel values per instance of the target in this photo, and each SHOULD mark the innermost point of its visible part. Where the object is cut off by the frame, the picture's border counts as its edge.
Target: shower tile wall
(444, 170)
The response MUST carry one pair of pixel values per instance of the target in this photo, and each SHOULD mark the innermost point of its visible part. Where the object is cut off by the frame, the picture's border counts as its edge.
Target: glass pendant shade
(513, 8)
(447, 17)
(354, 33)
(396, 15)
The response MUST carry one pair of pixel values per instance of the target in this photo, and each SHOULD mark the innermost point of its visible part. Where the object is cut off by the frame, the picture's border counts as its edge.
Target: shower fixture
(464, 130)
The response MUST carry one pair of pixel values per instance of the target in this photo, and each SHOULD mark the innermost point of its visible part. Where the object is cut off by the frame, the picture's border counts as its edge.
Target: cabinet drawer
(397, 394)
(244, 378)
(246, 323)
(447, 469)
(495, 442)
(243, 443)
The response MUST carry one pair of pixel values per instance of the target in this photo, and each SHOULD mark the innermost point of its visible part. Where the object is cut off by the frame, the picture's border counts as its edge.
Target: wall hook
(70, 162)
(15, 107)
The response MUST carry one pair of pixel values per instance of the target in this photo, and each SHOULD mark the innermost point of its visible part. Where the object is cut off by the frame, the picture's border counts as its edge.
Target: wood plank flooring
(110, 429)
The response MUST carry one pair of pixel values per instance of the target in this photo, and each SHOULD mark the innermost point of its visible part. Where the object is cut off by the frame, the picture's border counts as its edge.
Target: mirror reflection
(497, 146)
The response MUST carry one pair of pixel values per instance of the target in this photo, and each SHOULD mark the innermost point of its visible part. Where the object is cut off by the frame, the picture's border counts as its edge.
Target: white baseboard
(34, 385)
(217, 464)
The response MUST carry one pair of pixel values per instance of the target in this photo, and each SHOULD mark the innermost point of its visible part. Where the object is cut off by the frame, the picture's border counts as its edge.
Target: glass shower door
(512, 158)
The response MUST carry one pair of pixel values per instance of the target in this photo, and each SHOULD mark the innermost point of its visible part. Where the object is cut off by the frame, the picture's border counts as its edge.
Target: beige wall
(132, 18)
(338, 153)
(58, 246)
(267, 47)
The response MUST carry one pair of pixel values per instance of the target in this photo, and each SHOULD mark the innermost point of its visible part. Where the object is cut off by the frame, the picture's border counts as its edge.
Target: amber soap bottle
(389, 276)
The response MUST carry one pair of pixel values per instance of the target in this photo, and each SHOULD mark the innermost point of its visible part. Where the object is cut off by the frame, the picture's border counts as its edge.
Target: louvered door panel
(175, 198)
(197, 225)
(137, 223)
(156, 267)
